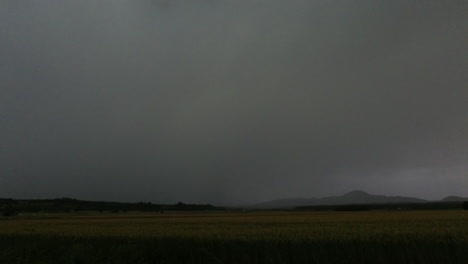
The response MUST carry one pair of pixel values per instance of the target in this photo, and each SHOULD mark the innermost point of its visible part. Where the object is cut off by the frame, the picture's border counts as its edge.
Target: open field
(242, 237)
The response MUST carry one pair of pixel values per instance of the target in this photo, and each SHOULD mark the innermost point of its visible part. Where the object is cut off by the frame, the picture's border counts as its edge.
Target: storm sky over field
(230, 102)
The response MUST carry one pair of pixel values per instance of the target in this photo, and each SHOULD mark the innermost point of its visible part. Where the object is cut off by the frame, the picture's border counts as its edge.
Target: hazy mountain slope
(360, 197)
(454, 199)
(354, 197)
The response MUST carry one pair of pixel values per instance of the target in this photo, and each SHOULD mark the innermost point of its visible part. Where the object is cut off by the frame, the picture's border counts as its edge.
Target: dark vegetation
(10, 207)
(106, 250)
(237, 237)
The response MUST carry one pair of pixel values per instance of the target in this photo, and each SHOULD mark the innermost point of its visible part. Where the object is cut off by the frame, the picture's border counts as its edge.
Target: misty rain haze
(232, 102)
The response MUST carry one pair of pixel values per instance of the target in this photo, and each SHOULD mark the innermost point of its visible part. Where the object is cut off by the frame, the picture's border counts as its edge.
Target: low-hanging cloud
(229, 102)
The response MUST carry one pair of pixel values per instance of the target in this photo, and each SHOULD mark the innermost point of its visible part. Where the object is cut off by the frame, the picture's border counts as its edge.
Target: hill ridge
(352, 197)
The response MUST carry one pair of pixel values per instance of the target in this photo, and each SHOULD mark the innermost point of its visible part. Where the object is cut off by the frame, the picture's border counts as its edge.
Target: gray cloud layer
(229, 101)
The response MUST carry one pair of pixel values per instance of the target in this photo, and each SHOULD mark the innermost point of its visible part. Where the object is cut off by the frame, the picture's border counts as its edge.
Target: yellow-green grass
(253, 237)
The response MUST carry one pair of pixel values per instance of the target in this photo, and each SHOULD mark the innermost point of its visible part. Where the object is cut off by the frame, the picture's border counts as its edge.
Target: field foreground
(257, 237)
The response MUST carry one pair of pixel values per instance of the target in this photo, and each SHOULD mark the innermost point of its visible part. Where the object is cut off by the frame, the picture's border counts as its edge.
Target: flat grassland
(238, 237)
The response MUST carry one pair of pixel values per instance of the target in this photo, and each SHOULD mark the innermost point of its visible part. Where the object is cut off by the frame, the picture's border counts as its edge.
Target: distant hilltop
(354, 197)
(454, 199)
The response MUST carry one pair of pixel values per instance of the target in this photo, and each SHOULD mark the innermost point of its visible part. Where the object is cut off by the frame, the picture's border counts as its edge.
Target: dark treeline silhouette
(389, 206)
(9, 207)
(356, 207)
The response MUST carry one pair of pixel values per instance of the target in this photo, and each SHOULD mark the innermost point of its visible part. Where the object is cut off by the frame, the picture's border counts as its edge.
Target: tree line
(9, 207)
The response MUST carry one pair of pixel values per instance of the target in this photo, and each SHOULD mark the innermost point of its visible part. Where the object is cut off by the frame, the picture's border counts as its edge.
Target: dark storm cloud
(232, 101)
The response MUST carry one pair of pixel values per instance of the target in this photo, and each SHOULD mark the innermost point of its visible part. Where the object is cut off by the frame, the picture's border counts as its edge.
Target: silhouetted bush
(352, 208)
(9, 210)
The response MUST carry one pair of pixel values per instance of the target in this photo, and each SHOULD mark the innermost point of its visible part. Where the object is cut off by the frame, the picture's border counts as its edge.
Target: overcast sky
(232, 101)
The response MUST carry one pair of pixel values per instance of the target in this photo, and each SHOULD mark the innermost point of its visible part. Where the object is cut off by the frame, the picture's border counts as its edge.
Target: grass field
(250, 237)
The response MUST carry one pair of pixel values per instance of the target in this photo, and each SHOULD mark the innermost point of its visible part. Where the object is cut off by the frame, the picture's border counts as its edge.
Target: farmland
(237, 237)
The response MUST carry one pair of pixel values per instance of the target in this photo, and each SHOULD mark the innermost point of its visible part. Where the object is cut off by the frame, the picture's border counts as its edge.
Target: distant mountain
(454, 199)
(354, 197)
